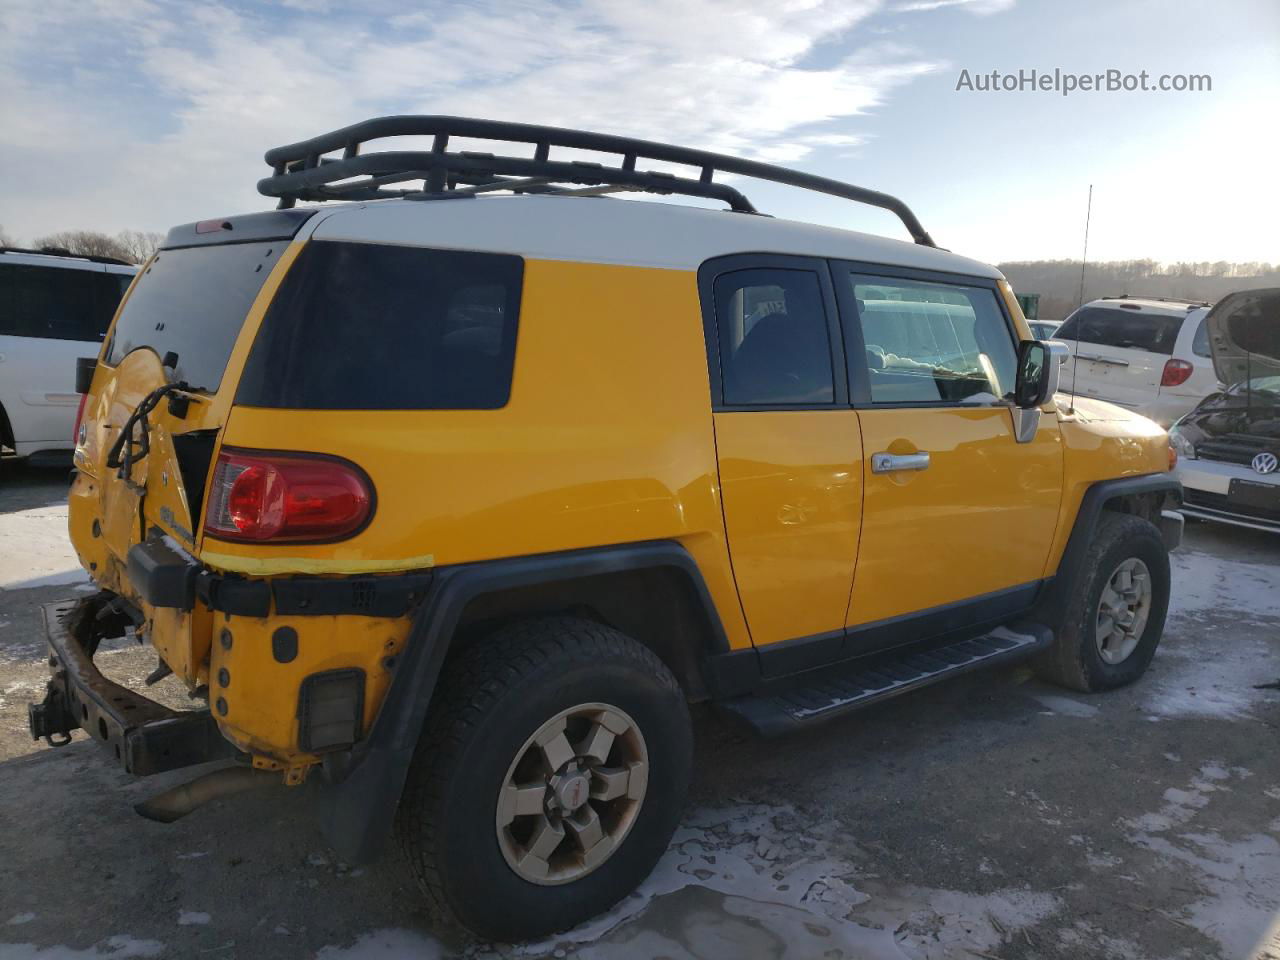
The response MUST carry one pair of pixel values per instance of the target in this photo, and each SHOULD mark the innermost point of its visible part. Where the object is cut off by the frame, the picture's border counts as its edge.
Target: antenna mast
(1084, 256)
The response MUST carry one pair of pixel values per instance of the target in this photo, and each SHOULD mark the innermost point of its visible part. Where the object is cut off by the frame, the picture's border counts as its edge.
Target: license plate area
(1254, 496)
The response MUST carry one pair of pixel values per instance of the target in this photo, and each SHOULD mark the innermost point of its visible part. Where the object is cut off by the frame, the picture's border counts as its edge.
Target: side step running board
(832, 691)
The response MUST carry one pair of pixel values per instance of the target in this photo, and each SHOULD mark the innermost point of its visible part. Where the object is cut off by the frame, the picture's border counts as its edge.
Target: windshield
(192, 302)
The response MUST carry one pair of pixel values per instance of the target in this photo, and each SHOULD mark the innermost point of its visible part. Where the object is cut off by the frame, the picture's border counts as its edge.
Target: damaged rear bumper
(144, 736)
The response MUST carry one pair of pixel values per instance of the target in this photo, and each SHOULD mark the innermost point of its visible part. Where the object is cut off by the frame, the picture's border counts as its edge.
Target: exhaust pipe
(181, 800)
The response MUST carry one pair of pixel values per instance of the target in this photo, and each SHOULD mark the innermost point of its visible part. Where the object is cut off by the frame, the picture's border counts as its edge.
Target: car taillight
(286, 498)
(1176, 373)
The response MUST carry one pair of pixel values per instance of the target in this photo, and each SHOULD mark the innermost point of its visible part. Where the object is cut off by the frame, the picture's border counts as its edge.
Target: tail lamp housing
(285, 497)
(1176, 373)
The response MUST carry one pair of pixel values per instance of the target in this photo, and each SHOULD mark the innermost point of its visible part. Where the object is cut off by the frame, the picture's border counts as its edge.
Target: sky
(141, 114)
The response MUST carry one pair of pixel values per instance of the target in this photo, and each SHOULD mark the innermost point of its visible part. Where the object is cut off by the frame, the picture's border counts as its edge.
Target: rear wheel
(1113, 625)
(549, 778)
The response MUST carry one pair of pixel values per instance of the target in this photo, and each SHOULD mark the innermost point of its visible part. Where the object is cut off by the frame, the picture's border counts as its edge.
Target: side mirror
(1038, 370)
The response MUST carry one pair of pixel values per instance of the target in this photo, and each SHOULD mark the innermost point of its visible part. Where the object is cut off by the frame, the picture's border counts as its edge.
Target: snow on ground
(112, 948)
(36, 550)
(756, 881)
(1187, 684)
(1240, 875)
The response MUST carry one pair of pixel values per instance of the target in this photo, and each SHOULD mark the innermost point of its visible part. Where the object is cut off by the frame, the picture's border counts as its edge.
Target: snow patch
(385, 945)
(113, 948)
(20, 918)
(192, 918)
(1241, 875)
(1203, 583)
(1066, 706)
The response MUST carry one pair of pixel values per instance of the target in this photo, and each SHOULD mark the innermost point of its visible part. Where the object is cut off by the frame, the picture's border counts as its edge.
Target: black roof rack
(62, 252)
(301, 171)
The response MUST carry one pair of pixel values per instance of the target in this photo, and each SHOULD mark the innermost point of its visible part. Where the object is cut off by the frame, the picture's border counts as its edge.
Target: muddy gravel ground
(990, 816)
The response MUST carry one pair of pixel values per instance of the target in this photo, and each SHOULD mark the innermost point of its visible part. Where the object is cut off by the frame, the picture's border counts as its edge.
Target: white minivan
(54, 308)
(1148, 354)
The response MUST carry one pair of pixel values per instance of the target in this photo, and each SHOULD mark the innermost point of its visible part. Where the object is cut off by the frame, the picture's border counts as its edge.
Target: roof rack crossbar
(301, 171)
(319, 182)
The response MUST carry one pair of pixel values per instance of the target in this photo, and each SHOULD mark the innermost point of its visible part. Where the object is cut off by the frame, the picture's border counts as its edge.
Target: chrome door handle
(893, 462)
(1097, 359)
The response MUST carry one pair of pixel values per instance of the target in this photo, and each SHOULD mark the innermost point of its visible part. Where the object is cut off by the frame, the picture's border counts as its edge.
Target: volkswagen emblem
(1265, 463)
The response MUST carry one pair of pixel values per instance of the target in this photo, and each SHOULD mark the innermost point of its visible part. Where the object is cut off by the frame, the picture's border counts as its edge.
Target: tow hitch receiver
(52, 718)
(146, 737)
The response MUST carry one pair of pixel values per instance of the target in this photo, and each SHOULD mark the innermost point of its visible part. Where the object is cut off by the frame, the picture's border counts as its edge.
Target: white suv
(1148, 354)
(54, 309)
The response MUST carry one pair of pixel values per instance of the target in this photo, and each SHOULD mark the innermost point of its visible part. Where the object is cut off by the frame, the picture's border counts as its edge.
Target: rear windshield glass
(193, 302)
(58, 303)
(360, 326)
(1127, 329)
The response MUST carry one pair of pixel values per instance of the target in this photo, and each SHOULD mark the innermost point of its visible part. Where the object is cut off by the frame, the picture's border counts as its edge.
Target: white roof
(66, 261)
(607, 230)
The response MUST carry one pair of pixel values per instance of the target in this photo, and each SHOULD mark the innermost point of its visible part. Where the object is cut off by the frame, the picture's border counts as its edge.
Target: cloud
(980, 8)
(144, 113)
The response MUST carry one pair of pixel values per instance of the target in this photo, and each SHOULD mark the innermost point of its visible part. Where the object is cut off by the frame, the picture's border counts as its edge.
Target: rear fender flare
(360, 792)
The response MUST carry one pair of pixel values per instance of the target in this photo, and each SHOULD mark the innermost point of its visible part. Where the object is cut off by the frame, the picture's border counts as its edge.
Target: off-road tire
(490, 699)
(1074, 660)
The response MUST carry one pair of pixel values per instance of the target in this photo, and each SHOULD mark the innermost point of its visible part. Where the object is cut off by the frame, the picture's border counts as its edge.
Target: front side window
(1124, 328)
(58, 303)
(933, 343)
(364, 326)
(775, 348)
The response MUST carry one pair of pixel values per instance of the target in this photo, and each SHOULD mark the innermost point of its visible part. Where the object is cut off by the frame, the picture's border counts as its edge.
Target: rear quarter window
(1125, 329)
(360, 326)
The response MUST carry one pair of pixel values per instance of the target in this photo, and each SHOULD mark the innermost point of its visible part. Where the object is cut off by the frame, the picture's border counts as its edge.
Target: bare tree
(141, 244)
(6, 239)
(85, 243)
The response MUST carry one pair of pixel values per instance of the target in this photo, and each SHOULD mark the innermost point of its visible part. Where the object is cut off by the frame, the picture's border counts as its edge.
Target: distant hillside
(1058, 281)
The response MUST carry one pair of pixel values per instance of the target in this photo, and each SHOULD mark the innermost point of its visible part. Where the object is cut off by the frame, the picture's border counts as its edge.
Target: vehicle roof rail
(63, 252)
(301, 171)
(1191, 304)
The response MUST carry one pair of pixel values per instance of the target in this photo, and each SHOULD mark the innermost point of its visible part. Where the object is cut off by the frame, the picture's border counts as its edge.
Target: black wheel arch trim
(1052, 605)
(358, 795)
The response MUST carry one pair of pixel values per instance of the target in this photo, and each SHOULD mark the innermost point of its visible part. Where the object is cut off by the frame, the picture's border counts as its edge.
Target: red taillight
(286, 497)
(1176, 373)
(75, 433)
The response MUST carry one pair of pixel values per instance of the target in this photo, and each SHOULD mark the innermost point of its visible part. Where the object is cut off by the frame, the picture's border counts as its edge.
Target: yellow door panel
(978, 519)
(792, 489)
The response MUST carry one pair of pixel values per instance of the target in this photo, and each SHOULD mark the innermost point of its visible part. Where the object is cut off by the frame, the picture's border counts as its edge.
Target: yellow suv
(451, 498)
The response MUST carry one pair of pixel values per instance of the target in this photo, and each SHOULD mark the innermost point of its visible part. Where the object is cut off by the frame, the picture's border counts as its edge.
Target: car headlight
(1184, 447)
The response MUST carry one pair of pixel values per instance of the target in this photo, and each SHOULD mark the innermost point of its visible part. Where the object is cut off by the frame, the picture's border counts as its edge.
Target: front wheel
(549, 779)
(1112, 626)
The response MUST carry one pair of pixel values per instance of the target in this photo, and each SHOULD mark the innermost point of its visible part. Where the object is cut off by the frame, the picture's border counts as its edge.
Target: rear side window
(1126, 329)
(58, 303)
(1200, 343)
(775, 348)
(193, 302)
(360, 326)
